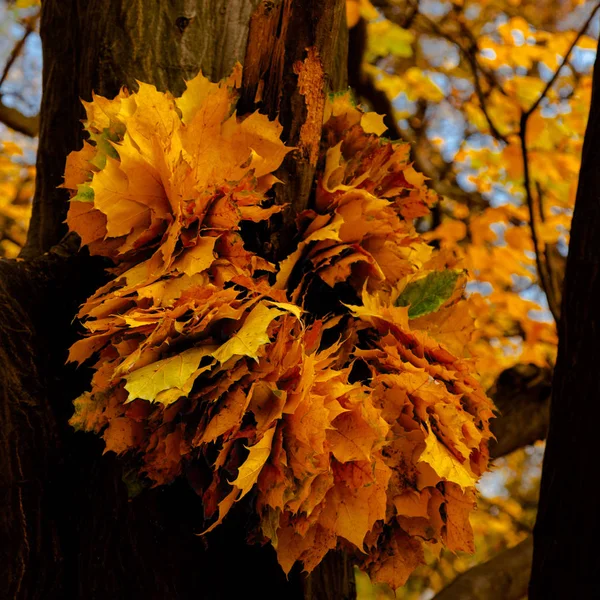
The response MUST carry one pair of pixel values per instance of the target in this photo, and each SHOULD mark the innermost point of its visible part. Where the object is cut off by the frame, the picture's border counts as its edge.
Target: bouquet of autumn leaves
(361, 428)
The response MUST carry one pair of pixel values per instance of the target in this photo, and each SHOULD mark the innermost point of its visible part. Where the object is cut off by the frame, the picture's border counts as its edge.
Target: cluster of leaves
(332, 385)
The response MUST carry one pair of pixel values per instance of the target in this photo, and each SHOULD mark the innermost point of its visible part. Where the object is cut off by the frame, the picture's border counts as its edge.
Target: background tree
(560, 566)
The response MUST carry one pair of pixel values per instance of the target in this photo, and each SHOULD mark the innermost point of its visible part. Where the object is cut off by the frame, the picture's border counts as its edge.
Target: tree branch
(540, 258)
(543, 266)
(504, 577)
(554, 77)
(30, 24)
(470, 55)
(17, 121)
(522, 395)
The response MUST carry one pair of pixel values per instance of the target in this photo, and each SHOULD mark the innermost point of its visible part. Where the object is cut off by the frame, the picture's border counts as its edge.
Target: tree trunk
(70, 530)
(565, 559)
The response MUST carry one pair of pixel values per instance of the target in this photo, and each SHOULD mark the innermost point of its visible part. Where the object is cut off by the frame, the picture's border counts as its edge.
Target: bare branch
(30, 25)
(565, 60)
(16, 120)
(490, 75)
(471, 59)
(504, 577)
(543, 265)
(540, 258)
(470, 54)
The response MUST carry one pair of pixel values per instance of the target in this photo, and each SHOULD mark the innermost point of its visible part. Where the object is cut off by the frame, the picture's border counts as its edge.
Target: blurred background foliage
(20, 95)
(492, 96)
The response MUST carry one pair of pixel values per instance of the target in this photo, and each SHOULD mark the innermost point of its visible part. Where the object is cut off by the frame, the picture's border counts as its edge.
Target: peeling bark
(296, 56)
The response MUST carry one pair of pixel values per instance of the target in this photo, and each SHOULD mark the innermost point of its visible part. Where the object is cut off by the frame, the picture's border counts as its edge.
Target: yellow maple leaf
(373, 123)
(447, 467)
(198, 258)
(250, 469)
(201, 94)
(114, 196)
(173, 372)
(251, 335)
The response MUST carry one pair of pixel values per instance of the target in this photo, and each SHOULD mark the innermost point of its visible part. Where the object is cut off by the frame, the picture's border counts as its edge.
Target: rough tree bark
(67, 528)
(566, 561)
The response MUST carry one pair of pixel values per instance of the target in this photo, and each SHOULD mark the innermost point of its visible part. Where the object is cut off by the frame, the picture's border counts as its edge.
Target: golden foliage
(480, 67)
(16, 190)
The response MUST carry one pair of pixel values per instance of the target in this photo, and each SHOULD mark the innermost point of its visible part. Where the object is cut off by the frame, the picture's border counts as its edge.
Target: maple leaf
(250, 469)
(459, 506)
(148, 382)
(447, 467)
(404, 555)
(122, 434)
(413, 503)
(229, 416)
(198, 258)
(266, 404)
(428, 294)
(251, 336)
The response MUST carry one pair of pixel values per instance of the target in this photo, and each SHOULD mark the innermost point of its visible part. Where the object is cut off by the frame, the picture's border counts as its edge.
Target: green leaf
(426, 295)
(84, 193)
(104, 147)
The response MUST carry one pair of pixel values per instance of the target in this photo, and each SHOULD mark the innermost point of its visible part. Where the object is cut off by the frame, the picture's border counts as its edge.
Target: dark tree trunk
(566, 561)
(67, 527)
